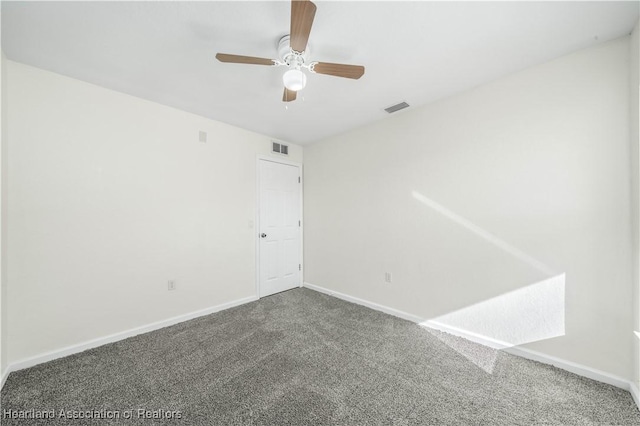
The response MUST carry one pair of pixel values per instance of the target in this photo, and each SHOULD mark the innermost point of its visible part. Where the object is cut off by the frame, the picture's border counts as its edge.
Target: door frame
(256, 229)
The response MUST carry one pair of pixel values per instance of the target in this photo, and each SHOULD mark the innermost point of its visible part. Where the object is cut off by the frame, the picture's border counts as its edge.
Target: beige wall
(111, 196)
(492, 191)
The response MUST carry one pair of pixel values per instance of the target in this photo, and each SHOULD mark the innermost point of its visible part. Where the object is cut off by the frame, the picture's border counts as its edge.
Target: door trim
(256, 228)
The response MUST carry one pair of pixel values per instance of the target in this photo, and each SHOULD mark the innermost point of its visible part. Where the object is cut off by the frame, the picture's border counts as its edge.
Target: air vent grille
(279, 148)
(397, 107)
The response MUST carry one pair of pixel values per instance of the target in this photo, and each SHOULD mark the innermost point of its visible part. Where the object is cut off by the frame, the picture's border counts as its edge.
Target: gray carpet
(304, 358)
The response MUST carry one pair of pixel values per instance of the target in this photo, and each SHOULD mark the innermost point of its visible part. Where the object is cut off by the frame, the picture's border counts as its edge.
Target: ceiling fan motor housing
(290, 57)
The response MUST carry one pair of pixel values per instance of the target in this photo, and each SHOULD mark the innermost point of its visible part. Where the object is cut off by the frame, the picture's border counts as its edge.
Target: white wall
(111, 196)
(3, 222)
(488, 192)
(634, 136)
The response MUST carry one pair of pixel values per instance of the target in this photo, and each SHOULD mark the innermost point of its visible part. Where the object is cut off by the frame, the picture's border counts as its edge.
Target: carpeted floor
(304, 358)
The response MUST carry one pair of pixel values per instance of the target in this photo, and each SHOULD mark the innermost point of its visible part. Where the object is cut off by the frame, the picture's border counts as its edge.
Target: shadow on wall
(529, 314)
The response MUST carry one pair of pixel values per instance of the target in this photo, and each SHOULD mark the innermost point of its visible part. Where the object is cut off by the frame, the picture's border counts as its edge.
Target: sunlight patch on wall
(532, 313)
(529, 314)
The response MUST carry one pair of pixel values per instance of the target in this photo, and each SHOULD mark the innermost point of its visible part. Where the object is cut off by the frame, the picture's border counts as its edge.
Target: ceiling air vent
(397, 107)
(280, 148)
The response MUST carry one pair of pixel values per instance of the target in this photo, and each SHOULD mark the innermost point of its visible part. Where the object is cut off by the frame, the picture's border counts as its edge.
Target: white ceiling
(413, 51)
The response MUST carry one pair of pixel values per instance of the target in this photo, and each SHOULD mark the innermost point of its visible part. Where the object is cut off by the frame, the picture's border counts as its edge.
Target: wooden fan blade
(339, 70)
(302, 14)
(289, 95)
(239, 59)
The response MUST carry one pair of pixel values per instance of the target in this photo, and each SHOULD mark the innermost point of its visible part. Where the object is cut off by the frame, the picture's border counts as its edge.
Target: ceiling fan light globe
(294, 80)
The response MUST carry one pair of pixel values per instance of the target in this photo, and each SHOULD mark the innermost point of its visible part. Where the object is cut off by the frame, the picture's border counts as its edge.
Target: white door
(279, 227)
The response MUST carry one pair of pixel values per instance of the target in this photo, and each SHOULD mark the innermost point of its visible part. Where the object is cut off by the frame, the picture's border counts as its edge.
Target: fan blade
(302, 14)
(339, 70)
(289, 95)
(239, 59)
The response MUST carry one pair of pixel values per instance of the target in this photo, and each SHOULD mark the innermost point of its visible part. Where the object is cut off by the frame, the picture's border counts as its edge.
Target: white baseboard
(89, 344)
(3, 378)
(635, 393)
(579, 369)
(358, 301)
(572, 367)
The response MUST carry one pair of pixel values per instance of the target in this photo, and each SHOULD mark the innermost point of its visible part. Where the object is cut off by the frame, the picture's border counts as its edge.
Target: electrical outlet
(172, 285)
(387, 277)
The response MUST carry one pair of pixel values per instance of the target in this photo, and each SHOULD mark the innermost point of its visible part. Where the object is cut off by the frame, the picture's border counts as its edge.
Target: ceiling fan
(294, 54)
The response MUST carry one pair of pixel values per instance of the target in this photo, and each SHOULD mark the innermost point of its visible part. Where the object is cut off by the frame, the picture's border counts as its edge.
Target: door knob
(263, 235)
